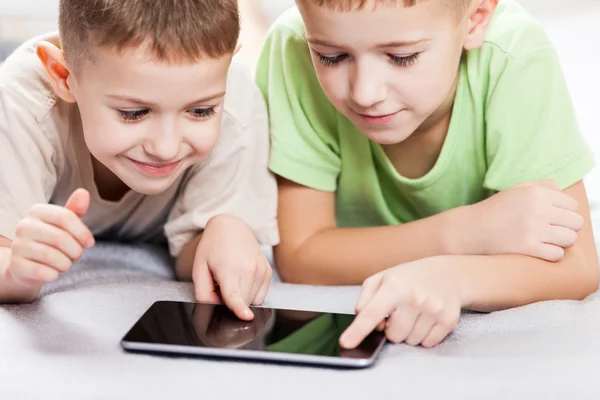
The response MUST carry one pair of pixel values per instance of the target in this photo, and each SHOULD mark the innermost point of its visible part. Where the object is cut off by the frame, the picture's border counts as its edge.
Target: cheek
(334, 82)
(203, 137)
(104, 134)
(433, 79)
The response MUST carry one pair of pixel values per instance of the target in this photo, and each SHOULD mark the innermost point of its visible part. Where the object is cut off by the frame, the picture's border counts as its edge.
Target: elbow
(288, 272)
(291, 269)
(589, 281)
(587, 277)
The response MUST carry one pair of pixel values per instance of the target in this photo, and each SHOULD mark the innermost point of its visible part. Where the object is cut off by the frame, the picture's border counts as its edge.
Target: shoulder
(242, 97)
(34, 115)
(22, 78)
(515, 32)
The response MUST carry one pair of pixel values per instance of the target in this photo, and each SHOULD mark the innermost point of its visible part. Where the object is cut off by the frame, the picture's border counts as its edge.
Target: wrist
(452, 269)
(460, 235)
(11, 291)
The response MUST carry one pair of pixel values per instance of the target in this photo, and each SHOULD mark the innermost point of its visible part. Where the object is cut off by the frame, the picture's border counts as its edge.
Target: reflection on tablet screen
(214, 326)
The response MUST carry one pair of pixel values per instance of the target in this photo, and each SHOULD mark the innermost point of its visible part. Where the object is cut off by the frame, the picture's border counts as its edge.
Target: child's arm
(423, 299)
(313, 250)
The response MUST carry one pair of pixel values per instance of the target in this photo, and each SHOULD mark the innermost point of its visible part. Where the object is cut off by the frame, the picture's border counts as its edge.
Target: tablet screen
(197, 325)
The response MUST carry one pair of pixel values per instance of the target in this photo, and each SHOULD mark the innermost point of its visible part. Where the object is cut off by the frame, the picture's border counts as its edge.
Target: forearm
(11, 291)
(185, 260)
(492, 283)
(350, 255)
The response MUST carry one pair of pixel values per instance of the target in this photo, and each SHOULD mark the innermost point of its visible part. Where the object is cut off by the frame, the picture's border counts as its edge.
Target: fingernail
(90, 243)
(248, 314)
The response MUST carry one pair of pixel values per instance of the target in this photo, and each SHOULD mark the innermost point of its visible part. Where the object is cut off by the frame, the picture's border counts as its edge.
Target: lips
(156, 169)
(378, 119)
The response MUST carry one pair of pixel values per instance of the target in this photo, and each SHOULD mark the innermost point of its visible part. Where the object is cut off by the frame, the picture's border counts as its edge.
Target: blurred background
(573, 25)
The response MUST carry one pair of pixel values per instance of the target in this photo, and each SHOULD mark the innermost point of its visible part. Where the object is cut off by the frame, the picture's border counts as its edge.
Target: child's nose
(366, 88)
(164, 144)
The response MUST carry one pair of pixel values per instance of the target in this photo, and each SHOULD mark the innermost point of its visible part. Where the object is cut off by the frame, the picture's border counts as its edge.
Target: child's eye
(133, 115)
(332, 61)
(202, 113)
(406, 61)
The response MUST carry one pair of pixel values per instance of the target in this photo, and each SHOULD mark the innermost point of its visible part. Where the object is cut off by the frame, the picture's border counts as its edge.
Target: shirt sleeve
(532, 130)
(234, 180)
(305, 148)
(27, 171)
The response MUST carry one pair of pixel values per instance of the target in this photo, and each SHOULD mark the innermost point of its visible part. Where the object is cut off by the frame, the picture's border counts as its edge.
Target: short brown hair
(172, 30)
(347, 5)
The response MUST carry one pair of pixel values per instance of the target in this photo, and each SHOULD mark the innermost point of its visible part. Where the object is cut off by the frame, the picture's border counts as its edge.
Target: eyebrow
(403, 43)
(148, 103)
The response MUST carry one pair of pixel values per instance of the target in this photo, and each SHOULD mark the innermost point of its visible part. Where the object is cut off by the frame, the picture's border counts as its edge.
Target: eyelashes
(132, 116)
(202, 113)
(406, 61)
(138, 115)
(331, 61)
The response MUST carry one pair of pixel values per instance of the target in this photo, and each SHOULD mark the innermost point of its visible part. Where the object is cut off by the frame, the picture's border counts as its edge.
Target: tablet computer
(275, 335)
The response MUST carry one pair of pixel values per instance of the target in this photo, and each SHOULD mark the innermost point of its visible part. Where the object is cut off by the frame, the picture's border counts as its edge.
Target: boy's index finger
(366, 321)
(232, 297)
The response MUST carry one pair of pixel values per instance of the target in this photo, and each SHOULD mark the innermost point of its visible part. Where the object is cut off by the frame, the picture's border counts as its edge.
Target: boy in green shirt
(433, 146)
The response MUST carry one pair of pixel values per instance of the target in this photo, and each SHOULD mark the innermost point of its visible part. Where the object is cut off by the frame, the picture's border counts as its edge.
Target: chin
(388, 137)
(150, 187)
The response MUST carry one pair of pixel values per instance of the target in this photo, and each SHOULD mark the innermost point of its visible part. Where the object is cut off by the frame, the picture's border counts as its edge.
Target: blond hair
(171, 30)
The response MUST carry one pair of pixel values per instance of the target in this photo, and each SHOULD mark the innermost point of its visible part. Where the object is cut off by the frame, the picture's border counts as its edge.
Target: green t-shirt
(512, 121)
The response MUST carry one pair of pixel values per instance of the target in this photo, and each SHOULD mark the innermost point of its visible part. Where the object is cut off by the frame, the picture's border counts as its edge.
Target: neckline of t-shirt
(446, 152)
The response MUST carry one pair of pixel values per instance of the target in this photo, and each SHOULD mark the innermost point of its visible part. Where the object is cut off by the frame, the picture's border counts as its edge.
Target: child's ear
(480, 16)
(238, 47)
(53, 59)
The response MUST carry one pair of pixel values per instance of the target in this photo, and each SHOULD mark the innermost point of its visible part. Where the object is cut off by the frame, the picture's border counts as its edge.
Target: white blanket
(66, 346)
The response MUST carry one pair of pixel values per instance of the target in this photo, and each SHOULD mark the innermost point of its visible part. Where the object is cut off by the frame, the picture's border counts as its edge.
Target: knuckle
(369, 314)
(78, 253)
(37, 209)
(47, 256)
(17, 247)
(369, 281)
(66, 219)
(532, 247)
(21, 229)
(392, 280)
(269, 274)
(448, 322)
(572, 237)
(435, 307)
(252, 269)
(51, 276)
(580, 222)
(415, 300)
(560, 253)
(393, 336)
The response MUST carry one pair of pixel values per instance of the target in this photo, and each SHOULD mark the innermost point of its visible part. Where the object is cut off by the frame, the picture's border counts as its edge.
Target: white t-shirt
(43, 159)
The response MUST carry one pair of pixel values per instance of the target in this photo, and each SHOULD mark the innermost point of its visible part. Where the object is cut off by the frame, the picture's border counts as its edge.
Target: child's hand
(420, 300)
(48, 240)
(533, 219)
(229, 258)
